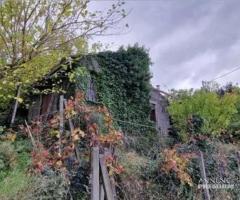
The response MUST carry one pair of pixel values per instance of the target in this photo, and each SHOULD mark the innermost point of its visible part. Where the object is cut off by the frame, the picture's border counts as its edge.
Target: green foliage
(25, 75)
(16, 181)
(53, 186)
(35, 35)
(123, 84)
(14, 160)
(80, 76)
(8, 158)
(234, 126)
(215, 111)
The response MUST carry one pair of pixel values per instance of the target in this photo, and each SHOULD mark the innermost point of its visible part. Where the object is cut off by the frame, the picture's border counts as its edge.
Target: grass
(15, 179)
(15, 182)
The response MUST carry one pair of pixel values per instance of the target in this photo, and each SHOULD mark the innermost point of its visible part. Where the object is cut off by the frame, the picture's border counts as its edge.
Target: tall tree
(34, 34)
(32, 27)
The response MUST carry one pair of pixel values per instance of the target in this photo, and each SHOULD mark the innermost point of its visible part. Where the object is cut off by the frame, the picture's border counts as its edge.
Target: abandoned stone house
(159, 114)
(48, 103)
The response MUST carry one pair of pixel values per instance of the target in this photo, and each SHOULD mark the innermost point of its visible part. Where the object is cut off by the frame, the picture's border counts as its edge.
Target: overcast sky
(189, 40)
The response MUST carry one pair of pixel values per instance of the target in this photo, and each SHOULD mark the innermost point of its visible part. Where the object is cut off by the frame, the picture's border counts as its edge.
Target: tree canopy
(213, 112)
(35, 34)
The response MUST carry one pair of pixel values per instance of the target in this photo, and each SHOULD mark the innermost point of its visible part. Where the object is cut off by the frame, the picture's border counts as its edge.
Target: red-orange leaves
(111, 138)
(81, 121)
(70, 109)
(40, 158)
(113, 166)
(77, 134)
(174, 161)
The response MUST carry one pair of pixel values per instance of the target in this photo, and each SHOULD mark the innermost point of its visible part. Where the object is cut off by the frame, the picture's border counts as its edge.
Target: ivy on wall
(123, 84)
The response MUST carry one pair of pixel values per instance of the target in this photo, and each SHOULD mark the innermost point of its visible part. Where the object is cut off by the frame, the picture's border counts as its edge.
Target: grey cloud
(189, 40)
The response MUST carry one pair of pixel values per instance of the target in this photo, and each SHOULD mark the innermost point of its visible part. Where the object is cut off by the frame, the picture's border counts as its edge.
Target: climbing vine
(123, 84)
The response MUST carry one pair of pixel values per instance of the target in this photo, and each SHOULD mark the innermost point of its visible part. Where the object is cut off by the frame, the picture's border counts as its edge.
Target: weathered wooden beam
(110, 152)
(113, 184)
(106, 179)
(71, 126)
(48, 108)
(204, 176)
(95, 173)
(238, 160)
(61, 120)
(15, 105)
(31, 136)
(102, 193)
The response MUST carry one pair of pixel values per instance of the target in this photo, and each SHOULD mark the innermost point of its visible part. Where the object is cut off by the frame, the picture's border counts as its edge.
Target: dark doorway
(153, 113)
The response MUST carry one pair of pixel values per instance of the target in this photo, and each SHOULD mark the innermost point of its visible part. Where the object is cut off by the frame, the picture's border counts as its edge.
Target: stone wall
(159, 105)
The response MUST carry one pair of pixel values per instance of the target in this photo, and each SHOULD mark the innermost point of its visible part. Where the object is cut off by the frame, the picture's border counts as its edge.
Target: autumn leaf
(19, 99)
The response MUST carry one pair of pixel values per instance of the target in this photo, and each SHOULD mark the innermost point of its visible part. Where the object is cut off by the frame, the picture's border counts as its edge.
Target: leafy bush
(53, 186)
(16, 181)
(14, 161)
(123, 84)
(215, 111)
(8, 158)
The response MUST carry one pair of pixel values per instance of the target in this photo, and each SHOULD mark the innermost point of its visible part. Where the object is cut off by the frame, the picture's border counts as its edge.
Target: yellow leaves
(8, 137)
(113, 166)
(176, 162)
(108, 120)
(69, 109)
(19, 99)
(54, 133)
(77, 134)
(59, 164)
(111, 138)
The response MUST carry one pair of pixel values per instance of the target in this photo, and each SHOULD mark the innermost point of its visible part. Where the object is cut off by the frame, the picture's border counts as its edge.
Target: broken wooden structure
(102, 184)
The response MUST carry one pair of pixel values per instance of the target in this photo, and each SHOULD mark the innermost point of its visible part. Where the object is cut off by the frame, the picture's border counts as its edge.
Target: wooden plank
(15, 105)
(102, 193)
(238, 160)
(71, 126)
(95, 173)
(110, 152)
(106, 179)
(113, 184)
(31, 136)
(35, 108)
(61, 122)
(49, 106)
(203, 174)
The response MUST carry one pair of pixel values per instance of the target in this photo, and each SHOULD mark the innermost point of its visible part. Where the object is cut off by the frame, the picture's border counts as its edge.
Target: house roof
(66, 65)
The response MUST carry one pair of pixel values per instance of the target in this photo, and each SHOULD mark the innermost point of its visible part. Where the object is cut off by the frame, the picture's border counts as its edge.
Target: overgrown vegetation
(204, 112)
(123, 84)
(43, 161)
(35, 35)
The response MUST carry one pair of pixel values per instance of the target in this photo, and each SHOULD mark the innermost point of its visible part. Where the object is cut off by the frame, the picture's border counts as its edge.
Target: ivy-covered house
(120, 80)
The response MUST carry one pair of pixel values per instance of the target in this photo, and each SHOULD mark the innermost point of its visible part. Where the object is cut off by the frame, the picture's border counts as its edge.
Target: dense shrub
(207, 112)
(14, 162)
(8, 158)
(123, 84)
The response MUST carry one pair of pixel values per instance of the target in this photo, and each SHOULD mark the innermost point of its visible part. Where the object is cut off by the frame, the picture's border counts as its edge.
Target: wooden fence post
(102, 194)
(15, 105)
(72, 130)
(31, 136)
(238, 161)
(45, 117)
(106, 180)
(203, 174)
(110, 152)
(95, 173)
(61, 123)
